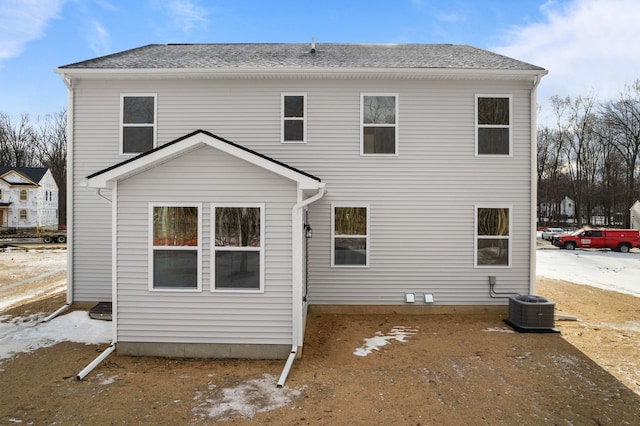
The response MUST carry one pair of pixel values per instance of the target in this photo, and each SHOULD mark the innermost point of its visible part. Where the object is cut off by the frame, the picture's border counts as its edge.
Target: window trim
(123, 125)
(261, 250)
(494, 126)
(368, 236)
(152, 248)
(303, 118)
(396, 125)
(476, 237)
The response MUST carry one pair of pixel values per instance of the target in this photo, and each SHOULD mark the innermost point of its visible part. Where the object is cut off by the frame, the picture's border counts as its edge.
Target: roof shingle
(300, 56)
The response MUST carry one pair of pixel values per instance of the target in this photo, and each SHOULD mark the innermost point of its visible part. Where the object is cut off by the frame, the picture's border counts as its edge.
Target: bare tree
(623, 118)
(17, 142)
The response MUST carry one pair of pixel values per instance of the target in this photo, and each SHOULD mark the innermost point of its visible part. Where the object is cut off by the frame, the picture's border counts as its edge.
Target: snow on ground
(18, 335)
(398, 333)
(603, 269)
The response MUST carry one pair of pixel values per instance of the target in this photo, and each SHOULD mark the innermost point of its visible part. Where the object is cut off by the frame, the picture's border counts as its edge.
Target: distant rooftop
(302, 56)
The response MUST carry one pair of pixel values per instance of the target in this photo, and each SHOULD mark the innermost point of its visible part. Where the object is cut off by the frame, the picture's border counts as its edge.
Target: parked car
(549, 232)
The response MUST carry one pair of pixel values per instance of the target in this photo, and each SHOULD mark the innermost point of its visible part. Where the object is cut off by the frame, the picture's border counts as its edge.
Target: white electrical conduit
(81, 375)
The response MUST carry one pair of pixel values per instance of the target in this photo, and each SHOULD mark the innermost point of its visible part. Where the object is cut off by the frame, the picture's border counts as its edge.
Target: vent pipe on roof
(313, 45)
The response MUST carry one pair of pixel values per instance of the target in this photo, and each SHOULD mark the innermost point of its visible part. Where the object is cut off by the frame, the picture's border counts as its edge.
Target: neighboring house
(199, 174)
(635, 215)
(28, 198)
(565, 210)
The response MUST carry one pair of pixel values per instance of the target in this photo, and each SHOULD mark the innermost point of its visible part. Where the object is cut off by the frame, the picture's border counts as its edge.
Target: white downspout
(534, 183)
(296, 276)
(70, 103)
(114, 291)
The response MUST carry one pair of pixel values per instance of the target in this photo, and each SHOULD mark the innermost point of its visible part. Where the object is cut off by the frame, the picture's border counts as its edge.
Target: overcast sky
(588, 46)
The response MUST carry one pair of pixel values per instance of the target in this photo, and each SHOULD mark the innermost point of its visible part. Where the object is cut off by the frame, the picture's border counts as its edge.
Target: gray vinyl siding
(205, 176)
(421, 202)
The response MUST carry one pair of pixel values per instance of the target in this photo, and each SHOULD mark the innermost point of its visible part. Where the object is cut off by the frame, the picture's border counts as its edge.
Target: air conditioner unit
(531, 313)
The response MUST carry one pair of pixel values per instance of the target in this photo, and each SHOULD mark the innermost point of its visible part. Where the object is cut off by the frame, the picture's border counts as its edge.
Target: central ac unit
(531, 313)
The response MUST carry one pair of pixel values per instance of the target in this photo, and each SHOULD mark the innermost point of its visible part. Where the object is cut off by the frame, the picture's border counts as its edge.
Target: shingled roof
(302, 56)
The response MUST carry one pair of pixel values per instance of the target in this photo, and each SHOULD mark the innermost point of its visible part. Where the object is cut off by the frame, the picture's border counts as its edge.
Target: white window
(379, 124)
(349, 235)
(175, 256)
(493, 125)
(493, 236)
(23, 214)
(138, 120)
(24, 195)
(237, 260)
(294, 117)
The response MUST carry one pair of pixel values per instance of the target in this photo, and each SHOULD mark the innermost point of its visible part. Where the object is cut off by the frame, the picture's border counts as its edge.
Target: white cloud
(588, 46)
(22, 21)
(99, 39)
(187, 14)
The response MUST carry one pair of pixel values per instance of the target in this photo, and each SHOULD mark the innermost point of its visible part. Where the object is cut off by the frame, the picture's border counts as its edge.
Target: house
(220, 190)
(28, 198)
(635, 215)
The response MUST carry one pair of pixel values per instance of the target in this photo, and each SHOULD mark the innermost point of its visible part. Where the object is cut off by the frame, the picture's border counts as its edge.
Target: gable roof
(150, 159)
(34, 174)
(285, 56)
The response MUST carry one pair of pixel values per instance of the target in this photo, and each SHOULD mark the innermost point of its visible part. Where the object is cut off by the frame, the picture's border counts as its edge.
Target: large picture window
(493, 236)
(238, 248)
(493, 125)
(379, 118)
(138, 132)
(350, 236)
(175, 255)
(294, 121)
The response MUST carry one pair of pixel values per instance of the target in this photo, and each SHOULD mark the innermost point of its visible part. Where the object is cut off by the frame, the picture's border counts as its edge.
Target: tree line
(591, 154)
(38, 143)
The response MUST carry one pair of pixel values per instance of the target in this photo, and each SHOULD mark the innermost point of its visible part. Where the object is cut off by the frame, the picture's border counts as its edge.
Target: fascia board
(153, 159)
(302, 73)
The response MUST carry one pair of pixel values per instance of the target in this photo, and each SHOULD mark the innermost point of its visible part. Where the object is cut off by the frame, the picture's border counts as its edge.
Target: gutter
(296, 238)
(534, 184)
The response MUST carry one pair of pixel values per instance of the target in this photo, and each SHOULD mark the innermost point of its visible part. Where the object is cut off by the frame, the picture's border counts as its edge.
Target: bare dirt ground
(448, 369)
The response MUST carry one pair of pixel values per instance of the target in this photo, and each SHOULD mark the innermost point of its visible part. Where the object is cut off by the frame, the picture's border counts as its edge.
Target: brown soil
(450, 369)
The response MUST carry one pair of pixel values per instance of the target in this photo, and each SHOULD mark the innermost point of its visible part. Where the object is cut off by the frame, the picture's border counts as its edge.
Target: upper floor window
(24, 195)
(493, 125)
(138, 133)
(379, 128)
(175, 254)
(350, 235)
(294, 117)
(238, 249)
(493, 236)
(0, 194)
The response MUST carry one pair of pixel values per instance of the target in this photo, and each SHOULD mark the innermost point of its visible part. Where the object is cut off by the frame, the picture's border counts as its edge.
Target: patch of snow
(398, 333)
(245, 399)
(499, 330)
(18, 335)
(607, 270)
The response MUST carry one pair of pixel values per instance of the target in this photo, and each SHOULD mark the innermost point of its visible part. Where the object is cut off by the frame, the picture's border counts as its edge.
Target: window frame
(153, 125)
(395, 125)
(214, 249)
(152, 248)
(477, 237)
(494, 126)
(26, 215)
(26, 195)
(283, 118)
(367, 236)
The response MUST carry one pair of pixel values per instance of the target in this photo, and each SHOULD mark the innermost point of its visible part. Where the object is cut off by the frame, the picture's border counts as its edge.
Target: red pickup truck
(621, 240)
